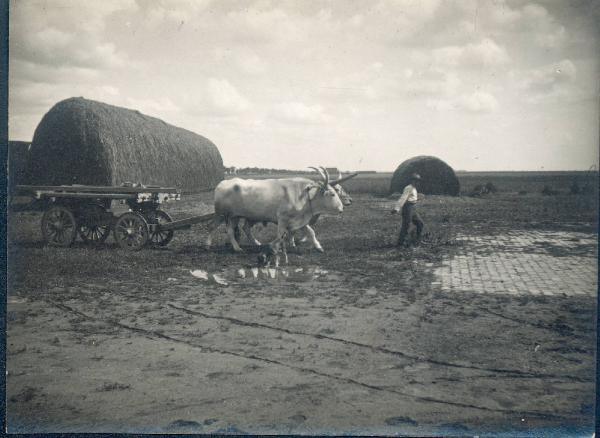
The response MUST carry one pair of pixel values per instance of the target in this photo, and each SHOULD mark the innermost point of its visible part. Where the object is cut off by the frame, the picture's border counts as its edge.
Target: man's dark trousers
(409, 214)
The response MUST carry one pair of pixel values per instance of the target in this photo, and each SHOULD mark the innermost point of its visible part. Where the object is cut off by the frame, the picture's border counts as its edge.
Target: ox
(336, 184)
(291, 203)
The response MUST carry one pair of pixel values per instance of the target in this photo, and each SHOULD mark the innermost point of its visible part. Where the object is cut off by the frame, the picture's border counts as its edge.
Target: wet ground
(372, 341)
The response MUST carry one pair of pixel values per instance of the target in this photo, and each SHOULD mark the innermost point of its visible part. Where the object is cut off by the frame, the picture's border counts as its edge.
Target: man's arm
(402, 200)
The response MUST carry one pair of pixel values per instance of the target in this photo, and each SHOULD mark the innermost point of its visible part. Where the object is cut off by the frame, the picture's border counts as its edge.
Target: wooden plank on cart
(52, 194)
(98, 189)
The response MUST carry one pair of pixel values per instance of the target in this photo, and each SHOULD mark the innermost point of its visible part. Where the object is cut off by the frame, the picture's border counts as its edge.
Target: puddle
(284, 274)
(274, 275)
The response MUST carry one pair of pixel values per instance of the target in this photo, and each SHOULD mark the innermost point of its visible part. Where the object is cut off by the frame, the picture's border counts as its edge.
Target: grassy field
(506, 182)
(100, 339)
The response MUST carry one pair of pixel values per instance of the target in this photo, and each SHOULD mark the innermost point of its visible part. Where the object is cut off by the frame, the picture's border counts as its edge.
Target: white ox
(336, 184)
(291, 203)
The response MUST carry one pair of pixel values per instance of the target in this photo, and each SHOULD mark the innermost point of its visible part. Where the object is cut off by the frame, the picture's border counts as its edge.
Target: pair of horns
(324, 174)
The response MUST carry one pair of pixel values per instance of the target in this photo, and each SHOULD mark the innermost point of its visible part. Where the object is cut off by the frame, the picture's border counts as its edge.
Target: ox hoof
(238, 250)
(320, 250)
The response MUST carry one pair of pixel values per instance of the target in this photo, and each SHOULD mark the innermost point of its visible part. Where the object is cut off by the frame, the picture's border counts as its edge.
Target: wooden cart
(81, 210)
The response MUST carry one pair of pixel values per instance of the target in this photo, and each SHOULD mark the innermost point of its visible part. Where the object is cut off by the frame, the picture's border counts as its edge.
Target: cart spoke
(131, 231)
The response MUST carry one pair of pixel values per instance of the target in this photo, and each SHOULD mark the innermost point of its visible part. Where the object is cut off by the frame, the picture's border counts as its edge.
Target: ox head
(336, 184)
(325, 197)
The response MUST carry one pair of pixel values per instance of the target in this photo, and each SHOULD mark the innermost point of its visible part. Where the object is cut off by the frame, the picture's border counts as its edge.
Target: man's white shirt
(409, 194)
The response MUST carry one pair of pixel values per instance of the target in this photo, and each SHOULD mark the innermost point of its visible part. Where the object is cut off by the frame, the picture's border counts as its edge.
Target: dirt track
(359, 341)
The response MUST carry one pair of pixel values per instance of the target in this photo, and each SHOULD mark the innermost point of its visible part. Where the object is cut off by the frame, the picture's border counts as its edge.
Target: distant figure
(407, 204)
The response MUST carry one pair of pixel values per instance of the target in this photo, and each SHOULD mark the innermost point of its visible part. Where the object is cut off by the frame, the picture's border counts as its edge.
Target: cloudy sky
(358, 84)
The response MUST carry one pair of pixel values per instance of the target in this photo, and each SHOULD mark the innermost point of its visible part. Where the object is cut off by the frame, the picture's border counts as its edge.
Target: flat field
(488, 326)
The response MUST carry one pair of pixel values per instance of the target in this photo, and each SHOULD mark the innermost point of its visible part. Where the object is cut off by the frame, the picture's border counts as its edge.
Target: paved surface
(523, 262)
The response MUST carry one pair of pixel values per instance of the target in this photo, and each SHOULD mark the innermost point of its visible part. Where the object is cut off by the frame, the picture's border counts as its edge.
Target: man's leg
(406, 219)
(416, 219)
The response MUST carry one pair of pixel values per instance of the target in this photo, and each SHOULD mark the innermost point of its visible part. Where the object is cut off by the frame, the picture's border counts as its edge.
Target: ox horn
(326, 175)
(320, 172)
(341, 180)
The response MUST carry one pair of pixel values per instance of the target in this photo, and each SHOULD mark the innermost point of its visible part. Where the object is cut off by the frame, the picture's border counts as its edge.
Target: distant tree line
(264, 171)
(268, 171)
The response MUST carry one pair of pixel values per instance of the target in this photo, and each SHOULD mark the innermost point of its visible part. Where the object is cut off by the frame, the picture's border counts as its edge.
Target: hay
(437, 177)
(81, 141)
(18, 157)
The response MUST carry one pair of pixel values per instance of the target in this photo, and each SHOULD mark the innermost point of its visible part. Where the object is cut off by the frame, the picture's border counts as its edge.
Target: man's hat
(415, 177)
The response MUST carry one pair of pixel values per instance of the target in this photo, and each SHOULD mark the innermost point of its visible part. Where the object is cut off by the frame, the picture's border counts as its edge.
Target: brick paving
(523, 262)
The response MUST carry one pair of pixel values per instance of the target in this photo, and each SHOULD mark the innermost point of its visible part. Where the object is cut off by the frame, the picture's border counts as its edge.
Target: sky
(354, 84)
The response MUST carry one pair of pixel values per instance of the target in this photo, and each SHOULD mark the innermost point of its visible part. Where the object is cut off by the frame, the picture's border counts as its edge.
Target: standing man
(407, 205)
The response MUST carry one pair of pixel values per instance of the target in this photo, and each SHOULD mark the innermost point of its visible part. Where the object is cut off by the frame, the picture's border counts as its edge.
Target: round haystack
(437, 178)
(82, 141)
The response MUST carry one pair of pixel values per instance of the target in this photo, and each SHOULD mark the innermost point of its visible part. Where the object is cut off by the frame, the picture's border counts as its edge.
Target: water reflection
(285, 274)
(280, 274)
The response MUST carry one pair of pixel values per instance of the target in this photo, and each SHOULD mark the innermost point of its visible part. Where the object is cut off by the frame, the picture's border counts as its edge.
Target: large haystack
(437, 177)
(81, 141)
(18, 157)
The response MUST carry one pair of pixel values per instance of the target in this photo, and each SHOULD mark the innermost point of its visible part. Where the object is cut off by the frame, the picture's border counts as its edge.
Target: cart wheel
(90, 231)
(59, 227)
(158, 237)
(131, 231)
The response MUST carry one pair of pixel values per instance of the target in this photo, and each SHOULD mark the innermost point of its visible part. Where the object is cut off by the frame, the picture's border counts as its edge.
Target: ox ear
(306, 191)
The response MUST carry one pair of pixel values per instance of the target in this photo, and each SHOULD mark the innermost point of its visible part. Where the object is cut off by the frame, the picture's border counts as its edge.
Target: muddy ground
(359, 340)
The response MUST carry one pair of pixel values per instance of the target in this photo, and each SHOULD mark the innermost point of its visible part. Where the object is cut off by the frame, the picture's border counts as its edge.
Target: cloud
(178, 11)
(252, 64)
(254, 25)
(224, 97)
(484, 54)
(458, 22)
(68, 15)
(429, 83)
(546, 78)
(555, 82)
(29, 101)
(27, 71)
(53, 47)
(159, 107)
(478, 102)
(53, 33)
(375, 83)
(552, 38)
(298, 112)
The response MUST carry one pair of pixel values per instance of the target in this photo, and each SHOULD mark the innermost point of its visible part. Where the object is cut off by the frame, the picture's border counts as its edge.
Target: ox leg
(231, 227)
(237, 234)
(248, 230)
(291, 240)
(301, 236)
(313, 239)
(281, 246)
(284, 249)
(281, 235)
(212, 227)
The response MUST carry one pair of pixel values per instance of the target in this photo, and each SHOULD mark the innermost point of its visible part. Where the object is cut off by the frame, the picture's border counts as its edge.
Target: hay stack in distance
(437, 177)
(82, 141)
